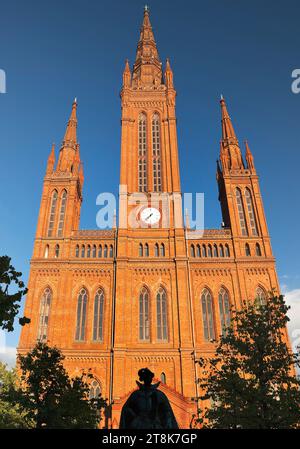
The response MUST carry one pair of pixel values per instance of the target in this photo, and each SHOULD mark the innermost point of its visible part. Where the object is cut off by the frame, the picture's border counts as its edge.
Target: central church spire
(147, 70)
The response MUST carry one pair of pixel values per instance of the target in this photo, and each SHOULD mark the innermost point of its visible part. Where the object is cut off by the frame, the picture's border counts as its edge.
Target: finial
(222, 98)
(75, 100)
(146, 8)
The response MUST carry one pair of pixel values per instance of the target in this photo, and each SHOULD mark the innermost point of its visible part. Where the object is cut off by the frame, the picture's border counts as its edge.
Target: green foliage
(11, 415)
(50, 398)
(251, 382)
(10, 303)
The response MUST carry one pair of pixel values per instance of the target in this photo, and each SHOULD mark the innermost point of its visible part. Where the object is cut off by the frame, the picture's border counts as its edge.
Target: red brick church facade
(122, 299)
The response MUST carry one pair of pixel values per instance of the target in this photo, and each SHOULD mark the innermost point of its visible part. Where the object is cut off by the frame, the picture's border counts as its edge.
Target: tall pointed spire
(127, 75)
(169, 75)
(70, 138)
(147, 69)
(249, 157)
(51, 161)
(230, 153)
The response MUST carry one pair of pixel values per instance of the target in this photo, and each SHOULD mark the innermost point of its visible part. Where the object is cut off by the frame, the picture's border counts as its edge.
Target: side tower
(59, 216)
(243, 213)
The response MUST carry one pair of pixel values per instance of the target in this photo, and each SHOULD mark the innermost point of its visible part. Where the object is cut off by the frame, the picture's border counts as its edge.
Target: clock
(150, 215)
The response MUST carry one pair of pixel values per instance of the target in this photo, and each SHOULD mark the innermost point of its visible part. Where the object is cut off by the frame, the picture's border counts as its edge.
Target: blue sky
(55, 50)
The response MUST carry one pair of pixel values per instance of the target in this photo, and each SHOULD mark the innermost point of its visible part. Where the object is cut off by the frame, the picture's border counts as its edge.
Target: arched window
(207, 315)
(162, 250)
(98, 315)
(62, 213)
(258, 250)
(241, 211)
(146, 250)
(224, 308)
(209, 251)
(156, 250)
(81, 315)
(111, 251)
(198, 251)
(44, 315)
(216, 251)
(57, 251)
(105, 251)
(52, 213)
(156, 153)
(82, 251)
(94, 251)
(247, 250)
(204, 253)
(88, 252)
(261, 296)
(77, 251)
(221, 251)
(142, 160)
(249, 202)
(192, 251)
(141, 250)
(144, 324)
(161, 315)
(100, 251)
(227, 251)
(46, 253)
(95, 390)
(163, 378)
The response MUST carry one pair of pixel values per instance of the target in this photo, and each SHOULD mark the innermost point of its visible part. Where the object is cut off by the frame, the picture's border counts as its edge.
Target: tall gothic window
(52, 213)
(257, 249)
(163, 378)
(98, 315)
(44, 315)
(156, 153)
(142, 160)
(241, 212)
(100, 251)
(77, 251)
(111, 251)
(247, 250)
(88, 252)
(141, 250)
(105, 251)
(207, 315)
(161, 314)
(224, 308)
(62, 213)
(204, 252)
(156, 250)
(94, 251)
(192, 251)
(216, 254)
(144, 327)
(81, 315)
(162, 250)
(146, 250)
(221, 251)
(95, 390)
(227, 251)
(260, 296)
(251, 214)
(56, 251)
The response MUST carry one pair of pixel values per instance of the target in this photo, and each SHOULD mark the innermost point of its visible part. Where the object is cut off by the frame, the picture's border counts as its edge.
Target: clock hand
(149, 216)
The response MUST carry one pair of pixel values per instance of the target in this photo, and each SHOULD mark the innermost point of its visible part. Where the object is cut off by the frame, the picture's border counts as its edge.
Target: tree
(49, 397)
(11, 415)
(251, 380)
(10, 303)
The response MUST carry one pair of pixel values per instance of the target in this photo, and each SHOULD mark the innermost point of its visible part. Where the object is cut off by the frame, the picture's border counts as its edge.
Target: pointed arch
(163, 378)
(227, 250)
(100, 251)
(204, 252)
(156, 250)
(258, 250)
(81, 314)
(141, 250)
(216, 253)
(198, 251)
(105, 252)
(46, 252)
(62, 213)
(94, 252)
(192, 249)
(209, 250)
(208, 315)
(221, 250)
(251, 213)
(111, 251)
(247, 250)
(162, 250)
(161, 314)
(56, 250)
(98, 315)
(82, 250)
(146, 250)
(45, 305)
(142, 152)
(260, 296)
(52, 213)
(156, 153)
(77, 251)
(241, 211)
(144, 314)
(88, 251)
(95, 389)
(224, 308)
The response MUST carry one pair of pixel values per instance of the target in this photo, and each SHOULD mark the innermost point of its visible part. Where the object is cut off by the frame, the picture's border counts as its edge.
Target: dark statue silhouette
(148, 407)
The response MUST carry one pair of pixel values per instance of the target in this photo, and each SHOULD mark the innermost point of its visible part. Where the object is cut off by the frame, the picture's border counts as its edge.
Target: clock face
(150, 215)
